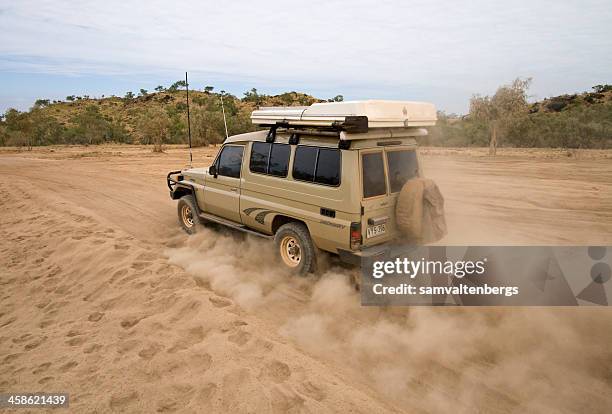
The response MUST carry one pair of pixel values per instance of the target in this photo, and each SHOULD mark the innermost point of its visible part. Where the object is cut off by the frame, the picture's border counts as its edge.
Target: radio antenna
(188, 122)
(224, 120)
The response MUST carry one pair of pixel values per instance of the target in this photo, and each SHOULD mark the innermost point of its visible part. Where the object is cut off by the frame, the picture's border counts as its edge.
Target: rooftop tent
(351, 116)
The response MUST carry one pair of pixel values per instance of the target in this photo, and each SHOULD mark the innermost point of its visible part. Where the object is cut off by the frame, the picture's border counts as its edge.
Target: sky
(437, 51)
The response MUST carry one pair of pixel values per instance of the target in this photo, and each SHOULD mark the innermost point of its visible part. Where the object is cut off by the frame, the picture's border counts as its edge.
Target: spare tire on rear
(419, 211)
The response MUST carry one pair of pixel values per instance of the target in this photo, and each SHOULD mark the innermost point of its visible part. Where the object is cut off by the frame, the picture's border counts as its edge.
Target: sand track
(90, 309)
(103, 297)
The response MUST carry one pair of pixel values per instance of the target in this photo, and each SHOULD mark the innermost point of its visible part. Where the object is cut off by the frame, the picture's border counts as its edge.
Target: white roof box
(352, 116)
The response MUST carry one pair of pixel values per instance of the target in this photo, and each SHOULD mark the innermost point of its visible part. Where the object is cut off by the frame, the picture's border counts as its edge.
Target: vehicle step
(233, 225)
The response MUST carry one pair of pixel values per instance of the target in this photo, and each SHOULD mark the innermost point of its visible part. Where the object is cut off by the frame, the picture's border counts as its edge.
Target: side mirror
(212, 170)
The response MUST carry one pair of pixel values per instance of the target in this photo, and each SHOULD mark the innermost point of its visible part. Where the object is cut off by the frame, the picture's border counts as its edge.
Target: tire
(187, 214)
(295, 248)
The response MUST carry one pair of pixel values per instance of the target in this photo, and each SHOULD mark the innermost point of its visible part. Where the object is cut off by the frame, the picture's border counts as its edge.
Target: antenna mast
(224, 121)
(188, 122)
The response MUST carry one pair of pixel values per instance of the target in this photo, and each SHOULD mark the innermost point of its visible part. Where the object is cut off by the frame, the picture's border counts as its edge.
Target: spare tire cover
(419, 211)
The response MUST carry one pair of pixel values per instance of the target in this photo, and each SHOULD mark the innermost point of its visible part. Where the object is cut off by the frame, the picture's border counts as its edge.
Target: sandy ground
(102, 296)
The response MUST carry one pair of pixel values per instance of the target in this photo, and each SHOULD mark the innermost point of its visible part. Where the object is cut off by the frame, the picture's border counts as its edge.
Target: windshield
(402, 166)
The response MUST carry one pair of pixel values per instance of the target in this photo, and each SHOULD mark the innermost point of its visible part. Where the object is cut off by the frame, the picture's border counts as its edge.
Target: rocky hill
(137, 119)
(601, 94)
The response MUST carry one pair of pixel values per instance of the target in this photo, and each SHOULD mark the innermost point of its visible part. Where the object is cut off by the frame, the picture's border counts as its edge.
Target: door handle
(233, 189)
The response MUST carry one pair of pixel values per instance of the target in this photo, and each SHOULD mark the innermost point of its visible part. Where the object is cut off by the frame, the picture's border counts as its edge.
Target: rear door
(383, 173)
(222, 193)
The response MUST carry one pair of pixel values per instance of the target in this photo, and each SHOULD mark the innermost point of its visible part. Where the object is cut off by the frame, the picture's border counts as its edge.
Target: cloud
(392, 46)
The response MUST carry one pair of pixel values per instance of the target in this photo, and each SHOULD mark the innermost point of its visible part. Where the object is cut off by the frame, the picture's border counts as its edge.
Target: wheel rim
(187, 216)
(290, 251)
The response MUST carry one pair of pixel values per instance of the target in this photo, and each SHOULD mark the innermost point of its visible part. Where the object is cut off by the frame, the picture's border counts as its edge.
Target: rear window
(373, 173)
(318, 165)
(270, 159)
(402, 166)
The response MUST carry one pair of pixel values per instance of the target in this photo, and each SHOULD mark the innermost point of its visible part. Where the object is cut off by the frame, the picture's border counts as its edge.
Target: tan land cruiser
(322, 177)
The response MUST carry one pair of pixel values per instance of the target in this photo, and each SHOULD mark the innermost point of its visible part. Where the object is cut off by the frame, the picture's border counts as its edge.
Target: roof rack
(344, 137)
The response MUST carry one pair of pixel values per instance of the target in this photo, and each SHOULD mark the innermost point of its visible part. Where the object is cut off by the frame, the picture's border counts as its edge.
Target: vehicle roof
(248, 136)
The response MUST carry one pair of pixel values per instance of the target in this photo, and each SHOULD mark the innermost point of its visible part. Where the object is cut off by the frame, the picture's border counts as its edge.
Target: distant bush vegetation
(570, 121)
(147, 118)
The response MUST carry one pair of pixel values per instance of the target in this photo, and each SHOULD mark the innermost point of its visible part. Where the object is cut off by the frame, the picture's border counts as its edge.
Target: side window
(270, 159)
(230, 161)
(373, 173)
(402, 166)
(260, 154)
(304, 163)
(328, 167)
(318, 165)
(279, 160)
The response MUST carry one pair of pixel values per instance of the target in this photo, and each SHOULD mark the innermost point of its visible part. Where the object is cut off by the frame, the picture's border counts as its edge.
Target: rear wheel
(295, 247)
(187, 214)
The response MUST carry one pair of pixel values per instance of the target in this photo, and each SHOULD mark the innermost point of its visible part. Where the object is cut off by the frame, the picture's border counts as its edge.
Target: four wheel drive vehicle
(322, 177)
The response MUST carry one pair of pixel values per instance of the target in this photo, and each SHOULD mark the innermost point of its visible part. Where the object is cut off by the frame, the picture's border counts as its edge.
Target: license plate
(374, 231)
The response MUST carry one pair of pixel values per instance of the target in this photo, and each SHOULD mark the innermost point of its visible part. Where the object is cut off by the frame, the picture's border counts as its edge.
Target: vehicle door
(383, 173)
(222, 190)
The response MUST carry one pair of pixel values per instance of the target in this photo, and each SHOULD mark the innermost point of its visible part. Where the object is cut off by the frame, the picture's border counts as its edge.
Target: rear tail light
(355, 235)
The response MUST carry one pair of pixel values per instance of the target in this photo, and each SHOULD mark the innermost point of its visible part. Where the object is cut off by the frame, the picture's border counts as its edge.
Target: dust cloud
(424, 359)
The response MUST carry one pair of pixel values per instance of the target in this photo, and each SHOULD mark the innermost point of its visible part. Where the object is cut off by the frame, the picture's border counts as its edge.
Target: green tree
(129, 95)
(229, 102)
(252, 96)
(602, 88)
(89, 127)
(143, 92)
(42, 102)
(177, 131)
(4, 136)
(207, 127)
(177, 85)
(18, 128)
(160, 88)
(45, 129)
(208, 89)
(154, 125)
(116, 131)
(497, 112)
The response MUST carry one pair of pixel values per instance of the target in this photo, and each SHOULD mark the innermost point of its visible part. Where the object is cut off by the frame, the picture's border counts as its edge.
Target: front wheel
(187, 214)
(295, 247)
